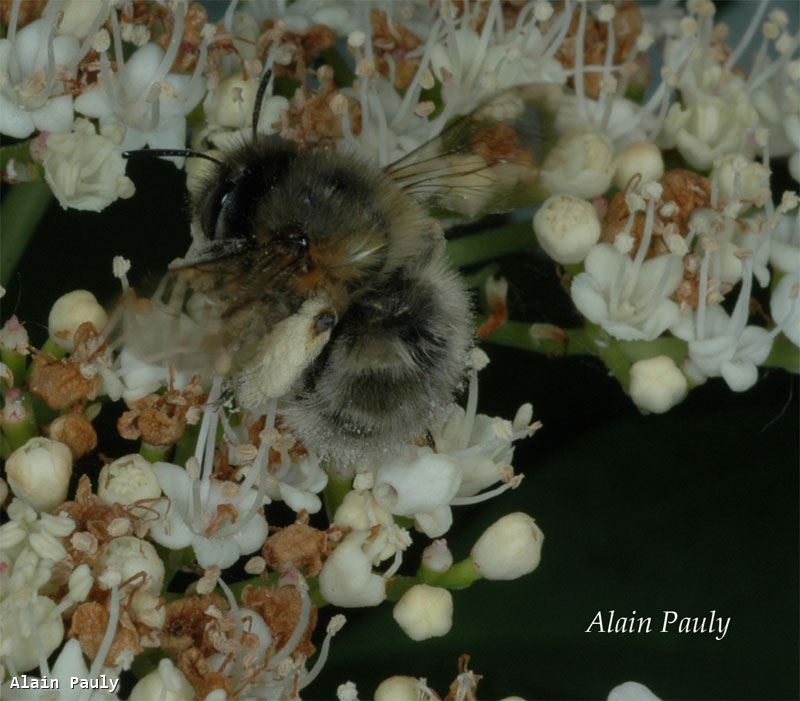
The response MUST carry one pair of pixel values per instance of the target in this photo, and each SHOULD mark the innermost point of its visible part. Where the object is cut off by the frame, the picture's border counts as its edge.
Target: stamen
(111, 629)
(334, 626)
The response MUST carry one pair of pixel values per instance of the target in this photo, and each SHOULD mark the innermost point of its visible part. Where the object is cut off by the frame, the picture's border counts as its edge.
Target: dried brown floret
(314, 118)
(161, 419)
(465, 684)
(393, 43)
(299, 545)
(280, 609)
(686, 190)
(76, 432)
(29, 11)
(299, 49)
(89, 623)
(186, 622)
(60, 383)
(627, 26)
(195, 666)
(196, 18)
(93, 518)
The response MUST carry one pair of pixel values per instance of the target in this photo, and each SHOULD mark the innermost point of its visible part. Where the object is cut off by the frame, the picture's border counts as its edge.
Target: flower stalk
(491, 244)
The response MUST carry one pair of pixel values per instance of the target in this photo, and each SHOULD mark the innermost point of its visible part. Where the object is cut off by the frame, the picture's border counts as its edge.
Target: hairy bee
(330, 278)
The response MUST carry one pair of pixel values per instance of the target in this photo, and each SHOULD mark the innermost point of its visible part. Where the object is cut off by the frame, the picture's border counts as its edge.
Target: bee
(329, 273)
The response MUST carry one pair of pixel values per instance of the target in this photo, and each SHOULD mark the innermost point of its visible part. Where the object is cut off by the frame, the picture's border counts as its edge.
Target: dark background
(691, 511)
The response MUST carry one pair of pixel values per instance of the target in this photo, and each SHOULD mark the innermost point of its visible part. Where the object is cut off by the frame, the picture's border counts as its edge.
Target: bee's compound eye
(324, 321)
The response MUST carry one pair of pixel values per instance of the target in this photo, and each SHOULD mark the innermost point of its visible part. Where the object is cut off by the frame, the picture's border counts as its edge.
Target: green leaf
(22, 210)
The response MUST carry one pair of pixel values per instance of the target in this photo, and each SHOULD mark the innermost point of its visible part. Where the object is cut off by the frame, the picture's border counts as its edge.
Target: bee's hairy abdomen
(392, 366)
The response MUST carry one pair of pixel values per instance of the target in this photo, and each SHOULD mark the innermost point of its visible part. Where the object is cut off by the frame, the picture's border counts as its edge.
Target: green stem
(335, 492)
(23, 208)
(16, 362)
(618, 356)
(491, 244)
(17, 163)
(184, 448)
(52, 348)
(154, 453)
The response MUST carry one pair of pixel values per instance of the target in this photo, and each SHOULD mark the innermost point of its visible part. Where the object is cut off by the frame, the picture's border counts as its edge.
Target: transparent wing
(488, 160)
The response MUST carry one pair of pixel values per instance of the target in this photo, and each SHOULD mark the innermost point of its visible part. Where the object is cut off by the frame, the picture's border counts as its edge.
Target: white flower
(360, 511)
(420, 483)
(628, 298)
(657, 384)
(581, 164)
(785, 306)
(28, 78)
(127, 480)
(14, 337)
(166, 683)
(69, 312)
(124, 557)
(398, 688)
(192, 517)
(721, 345)
(34, 624)
(566, 228)
(741, 181)
(710, 127)
(39, 473)
(42, 533)
(424, 612)
(150, 101)
(85, 170)
(510, 548)
(642, 158)
(69, 664)
(631, 691)
(347, 578)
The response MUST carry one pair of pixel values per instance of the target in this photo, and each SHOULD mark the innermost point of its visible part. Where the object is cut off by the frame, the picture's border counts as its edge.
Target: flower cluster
(656, 204)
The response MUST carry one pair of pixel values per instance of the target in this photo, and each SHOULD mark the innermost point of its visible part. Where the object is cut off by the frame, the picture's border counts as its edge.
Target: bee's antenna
(262, 87)
(158, 152)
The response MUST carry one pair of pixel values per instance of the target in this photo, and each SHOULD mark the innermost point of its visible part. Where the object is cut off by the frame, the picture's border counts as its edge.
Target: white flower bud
(421, 484)
(631, 691)
(434, 523)
(167, 683)
(298, 500)
(347, 579)
(397, 688)
(753, 180)
(356, 509)
(509, 548)
(69, 312)
(126, 480)
(127, 556)
(424, 612)
(231, 103)
(437, 556)
(566, 228)
(145, 606)
(657, 384)
(39, 473)
(580, 164)
(643, 158)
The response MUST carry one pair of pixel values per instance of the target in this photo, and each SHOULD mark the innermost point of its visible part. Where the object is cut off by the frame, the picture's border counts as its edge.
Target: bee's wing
(488, 160)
